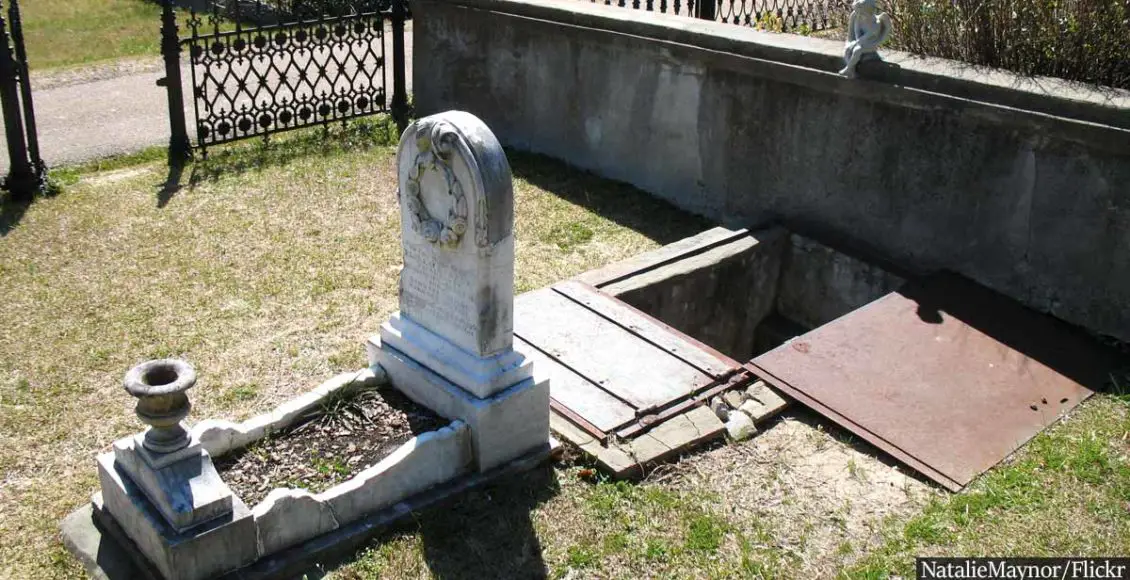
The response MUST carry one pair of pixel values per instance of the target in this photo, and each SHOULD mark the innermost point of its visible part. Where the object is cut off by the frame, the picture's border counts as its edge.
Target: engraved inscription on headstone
(444, 289)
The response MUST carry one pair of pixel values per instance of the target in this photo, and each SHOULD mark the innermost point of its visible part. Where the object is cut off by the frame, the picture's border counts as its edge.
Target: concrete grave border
(293, 527)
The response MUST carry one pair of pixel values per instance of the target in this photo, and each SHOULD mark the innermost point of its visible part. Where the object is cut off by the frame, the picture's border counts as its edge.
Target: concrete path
(116, 108)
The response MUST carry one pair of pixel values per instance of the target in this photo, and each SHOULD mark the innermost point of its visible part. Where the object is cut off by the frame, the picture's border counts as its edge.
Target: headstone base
(207, 550)
(481, 376)
(503, 427)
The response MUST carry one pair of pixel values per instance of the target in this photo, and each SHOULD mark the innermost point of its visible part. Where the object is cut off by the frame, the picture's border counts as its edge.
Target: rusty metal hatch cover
(944, 375)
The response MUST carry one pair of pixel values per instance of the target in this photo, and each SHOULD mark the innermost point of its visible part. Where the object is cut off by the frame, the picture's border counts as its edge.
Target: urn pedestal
(162, 490)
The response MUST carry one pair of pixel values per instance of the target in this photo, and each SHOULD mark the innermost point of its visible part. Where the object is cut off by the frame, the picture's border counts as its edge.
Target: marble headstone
(457, 207)
(455, 327)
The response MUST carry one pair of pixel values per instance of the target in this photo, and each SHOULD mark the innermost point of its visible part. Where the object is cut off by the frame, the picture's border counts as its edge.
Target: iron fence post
(179, 148)
(399, 85)
(25, 91)
(21, 180)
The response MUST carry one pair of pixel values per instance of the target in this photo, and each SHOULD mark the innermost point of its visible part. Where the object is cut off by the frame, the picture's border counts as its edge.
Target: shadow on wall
(1067, 349)
(617, 201)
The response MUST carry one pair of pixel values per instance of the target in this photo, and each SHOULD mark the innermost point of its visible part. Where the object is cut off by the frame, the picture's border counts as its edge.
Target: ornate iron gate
(260, 67)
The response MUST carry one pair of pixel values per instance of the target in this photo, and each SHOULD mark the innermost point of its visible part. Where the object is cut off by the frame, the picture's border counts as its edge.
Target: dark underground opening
(744, 293)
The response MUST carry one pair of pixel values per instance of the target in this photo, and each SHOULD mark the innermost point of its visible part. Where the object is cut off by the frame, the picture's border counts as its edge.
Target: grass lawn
(269, 268)
(71, 32)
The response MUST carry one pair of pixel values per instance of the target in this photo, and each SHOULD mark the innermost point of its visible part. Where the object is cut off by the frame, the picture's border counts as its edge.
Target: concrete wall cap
(1044, 95)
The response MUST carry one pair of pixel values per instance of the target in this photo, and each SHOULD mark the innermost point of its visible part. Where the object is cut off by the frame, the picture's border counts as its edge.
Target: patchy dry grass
(800, 500)
(267, 271)
(270, 267)
(1066, 493)
(71, 32)
(781, 505)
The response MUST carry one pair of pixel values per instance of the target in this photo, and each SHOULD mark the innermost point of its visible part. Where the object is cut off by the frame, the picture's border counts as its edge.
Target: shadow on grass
(172, 183)
(489, 532)
(12, 210)
(235, 159)
(486, 532)
(616, 201)
(257, 155)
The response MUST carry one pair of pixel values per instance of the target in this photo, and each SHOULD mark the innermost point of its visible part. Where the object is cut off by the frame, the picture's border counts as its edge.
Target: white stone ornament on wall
(867, 29)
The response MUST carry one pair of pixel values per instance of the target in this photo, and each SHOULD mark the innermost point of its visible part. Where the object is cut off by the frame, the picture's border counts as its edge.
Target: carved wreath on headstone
(435, 142)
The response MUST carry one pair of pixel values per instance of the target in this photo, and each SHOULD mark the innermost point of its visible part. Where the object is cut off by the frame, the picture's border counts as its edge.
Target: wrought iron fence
(260, 67)
(783, 15)
(776, 15)
(682, 8)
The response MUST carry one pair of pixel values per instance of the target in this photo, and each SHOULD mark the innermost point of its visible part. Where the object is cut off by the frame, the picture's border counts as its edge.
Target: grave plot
(625, 387)
(630, 388)
(343, 436)
(447, 404)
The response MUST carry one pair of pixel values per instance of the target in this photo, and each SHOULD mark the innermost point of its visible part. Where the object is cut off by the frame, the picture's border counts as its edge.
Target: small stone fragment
(720, 408)
(740, 426)
(765, 395)
(733, 399)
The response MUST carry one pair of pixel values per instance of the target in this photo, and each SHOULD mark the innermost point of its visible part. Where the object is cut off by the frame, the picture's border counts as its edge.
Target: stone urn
(162, 403)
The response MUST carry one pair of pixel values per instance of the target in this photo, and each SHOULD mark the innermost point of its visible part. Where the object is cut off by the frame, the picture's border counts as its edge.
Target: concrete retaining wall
(1023, 186)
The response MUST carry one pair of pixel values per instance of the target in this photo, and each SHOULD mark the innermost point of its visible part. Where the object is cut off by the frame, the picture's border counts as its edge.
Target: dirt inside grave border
(340, 438)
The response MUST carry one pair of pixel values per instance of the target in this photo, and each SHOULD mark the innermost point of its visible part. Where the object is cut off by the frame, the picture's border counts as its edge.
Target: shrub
(1081, 40)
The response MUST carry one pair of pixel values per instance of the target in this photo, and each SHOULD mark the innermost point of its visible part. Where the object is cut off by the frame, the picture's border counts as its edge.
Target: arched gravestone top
(457, 215)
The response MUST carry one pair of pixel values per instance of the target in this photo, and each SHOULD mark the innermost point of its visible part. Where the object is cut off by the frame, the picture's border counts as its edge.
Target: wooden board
(609, 356)
(599, 408)
(689, 350)
(660, 257)
(625, 388)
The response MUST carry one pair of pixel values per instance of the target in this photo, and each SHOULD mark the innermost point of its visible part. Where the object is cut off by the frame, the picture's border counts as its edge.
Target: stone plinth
(161, 489)
(220, 544)
(451, 345)
(482, 376)
(183, 486)
(504, 426)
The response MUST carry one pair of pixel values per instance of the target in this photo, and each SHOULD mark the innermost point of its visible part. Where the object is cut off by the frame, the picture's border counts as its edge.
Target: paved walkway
(115, 108)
